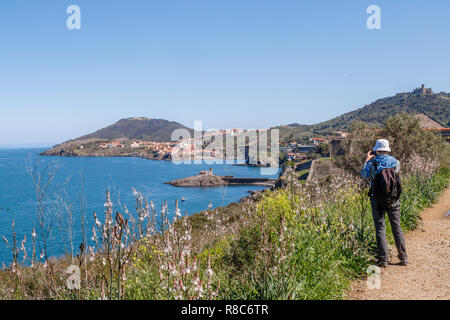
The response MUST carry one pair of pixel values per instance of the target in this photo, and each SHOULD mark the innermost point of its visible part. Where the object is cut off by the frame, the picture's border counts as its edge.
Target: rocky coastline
(211, 180)
(87, 148)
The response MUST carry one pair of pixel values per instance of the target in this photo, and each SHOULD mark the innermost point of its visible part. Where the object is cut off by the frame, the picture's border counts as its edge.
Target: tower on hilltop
(423, 91)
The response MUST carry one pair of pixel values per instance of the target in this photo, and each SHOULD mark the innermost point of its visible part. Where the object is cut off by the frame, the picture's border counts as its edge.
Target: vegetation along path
(427, 275)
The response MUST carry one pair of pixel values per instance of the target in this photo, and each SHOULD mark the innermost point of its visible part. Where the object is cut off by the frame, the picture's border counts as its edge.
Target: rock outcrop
(199, 181)
(210, 180)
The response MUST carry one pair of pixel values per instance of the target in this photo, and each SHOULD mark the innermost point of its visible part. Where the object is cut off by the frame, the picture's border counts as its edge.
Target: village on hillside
(297, 154)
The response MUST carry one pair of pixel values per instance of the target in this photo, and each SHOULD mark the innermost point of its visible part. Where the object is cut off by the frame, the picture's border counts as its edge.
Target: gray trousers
(380, 229)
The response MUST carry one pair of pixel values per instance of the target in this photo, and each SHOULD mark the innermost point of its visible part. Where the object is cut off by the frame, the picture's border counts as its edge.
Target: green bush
(406, 139)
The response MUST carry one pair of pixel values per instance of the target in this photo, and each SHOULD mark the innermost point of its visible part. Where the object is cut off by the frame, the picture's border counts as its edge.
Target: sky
(229, 63)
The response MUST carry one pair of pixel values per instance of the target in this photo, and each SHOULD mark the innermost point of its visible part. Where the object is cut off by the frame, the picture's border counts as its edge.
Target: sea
(82, 183)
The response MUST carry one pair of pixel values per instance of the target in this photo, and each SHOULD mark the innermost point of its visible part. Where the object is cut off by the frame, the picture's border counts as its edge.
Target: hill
(140, 128)
(426, 122)
(435, 108)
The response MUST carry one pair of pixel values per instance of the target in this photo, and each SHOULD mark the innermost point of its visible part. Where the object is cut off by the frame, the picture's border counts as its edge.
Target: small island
(208, 179)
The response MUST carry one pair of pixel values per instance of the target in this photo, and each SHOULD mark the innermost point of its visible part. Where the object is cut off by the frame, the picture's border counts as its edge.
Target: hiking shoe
(403, 263)
(382, 264)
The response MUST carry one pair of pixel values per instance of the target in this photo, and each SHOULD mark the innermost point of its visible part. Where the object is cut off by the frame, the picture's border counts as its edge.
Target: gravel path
(428, 274)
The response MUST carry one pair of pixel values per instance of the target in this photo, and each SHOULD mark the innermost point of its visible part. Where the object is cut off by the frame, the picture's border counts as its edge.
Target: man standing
(385, 189)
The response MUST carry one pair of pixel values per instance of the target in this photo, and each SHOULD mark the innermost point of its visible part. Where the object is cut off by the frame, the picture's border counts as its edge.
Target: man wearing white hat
(383, 169)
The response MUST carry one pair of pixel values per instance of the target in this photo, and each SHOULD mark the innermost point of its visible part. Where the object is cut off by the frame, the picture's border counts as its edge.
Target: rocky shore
(89, 148)
(210, 180)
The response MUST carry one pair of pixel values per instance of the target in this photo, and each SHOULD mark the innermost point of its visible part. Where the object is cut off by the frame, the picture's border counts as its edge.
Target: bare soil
(427, 275)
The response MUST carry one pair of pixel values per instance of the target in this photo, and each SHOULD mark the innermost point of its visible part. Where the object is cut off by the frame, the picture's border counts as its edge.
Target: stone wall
(322, 169)
(336, 148)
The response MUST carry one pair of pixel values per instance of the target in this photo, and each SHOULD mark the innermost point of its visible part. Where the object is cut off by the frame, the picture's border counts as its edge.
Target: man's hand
(369, 156)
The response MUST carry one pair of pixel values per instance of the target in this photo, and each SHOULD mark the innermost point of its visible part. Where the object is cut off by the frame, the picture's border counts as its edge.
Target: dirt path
(428, 274)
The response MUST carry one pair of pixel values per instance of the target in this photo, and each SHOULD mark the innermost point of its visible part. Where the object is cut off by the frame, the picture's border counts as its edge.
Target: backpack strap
(375, 164)
(371, 185)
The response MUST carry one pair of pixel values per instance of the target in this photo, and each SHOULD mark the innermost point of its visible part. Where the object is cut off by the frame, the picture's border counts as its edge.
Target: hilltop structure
(423, 91)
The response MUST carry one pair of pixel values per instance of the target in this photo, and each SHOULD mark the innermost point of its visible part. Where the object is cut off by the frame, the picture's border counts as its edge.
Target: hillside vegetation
(434, 109)
(138, 128)
(434, 106)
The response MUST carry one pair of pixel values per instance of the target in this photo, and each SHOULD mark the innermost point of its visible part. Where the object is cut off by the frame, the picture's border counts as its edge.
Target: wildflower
(22, 247)
(91, 253)
(94, 234)
(98, 223)
(199, 288)
(108, 204)
(182, 286)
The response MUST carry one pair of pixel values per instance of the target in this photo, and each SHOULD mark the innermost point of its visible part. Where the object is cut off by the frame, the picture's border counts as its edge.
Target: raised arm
(367, 168)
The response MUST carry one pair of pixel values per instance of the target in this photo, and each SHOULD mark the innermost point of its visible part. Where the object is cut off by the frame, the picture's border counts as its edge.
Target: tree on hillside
(406, 138)
(323, 149)
(312, 155)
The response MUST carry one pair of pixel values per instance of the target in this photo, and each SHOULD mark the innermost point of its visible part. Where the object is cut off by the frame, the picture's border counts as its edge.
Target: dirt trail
(428, 274)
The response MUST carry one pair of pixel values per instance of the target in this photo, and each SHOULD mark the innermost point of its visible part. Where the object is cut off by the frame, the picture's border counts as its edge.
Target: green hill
(435, 106)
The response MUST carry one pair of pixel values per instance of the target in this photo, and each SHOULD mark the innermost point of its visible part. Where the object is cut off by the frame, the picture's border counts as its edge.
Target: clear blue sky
(230, 63)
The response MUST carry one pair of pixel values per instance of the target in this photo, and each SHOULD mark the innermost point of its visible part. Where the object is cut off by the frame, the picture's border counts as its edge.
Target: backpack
(386, 186)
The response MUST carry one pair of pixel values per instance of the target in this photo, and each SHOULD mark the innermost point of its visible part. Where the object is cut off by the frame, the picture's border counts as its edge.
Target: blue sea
(92, 177)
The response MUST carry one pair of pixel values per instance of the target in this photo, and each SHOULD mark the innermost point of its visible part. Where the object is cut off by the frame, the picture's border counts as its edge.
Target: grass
(303, 172)
(331, 244)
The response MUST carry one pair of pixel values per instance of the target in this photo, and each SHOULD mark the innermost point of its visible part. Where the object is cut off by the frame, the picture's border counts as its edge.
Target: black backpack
(386, 186)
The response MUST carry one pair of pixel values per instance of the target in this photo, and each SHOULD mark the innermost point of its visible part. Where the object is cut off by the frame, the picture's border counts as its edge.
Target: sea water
(91, 177)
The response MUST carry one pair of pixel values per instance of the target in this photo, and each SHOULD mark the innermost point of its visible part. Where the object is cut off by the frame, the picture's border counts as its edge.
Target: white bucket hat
(382, 145)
